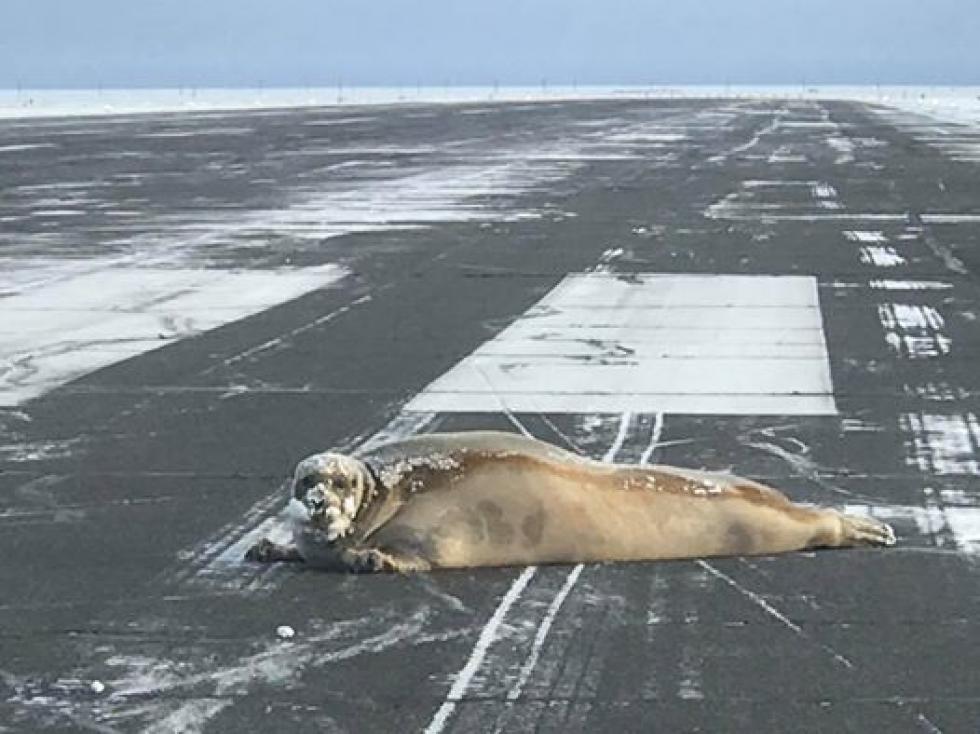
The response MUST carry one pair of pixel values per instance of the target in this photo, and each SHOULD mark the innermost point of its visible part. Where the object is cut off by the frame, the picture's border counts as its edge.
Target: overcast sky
(147, 43)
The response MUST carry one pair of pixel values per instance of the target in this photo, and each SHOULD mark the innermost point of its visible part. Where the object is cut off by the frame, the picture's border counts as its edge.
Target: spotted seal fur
(485, 498)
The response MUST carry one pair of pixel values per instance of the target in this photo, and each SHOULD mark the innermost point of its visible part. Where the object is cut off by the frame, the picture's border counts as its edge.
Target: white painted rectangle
(610, 290)
(55, 328)
(697, 344)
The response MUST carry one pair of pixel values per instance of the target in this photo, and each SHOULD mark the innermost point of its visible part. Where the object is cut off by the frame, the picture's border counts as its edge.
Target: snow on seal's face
(331, 488)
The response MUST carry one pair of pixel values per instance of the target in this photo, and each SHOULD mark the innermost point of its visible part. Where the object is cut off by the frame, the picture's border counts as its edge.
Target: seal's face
(331, 488)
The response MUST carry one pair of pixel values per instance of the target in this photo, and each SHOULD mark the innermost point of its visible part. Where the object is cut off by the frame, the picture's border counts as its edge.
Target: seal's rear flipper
(865, 531)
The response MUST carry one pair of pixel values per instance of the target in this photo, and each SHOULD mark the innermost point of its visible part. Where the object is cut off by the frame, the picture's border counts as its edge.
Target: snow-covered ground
(953, 104)
(58, 102)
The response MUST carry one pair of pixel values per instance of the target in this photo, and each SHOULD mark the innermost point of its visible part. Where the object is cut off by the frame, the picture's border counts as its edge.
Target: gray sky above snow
(146, 43)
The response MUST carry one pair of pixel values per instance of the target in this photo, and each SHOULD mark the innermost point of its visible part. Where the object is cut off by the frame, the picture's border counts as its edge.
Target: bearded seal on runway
(483, 498)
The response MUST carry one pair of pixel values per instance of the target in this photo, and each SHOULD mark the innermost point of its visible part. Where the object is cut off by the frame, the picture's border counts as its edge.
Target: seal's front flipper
(265, 551)
(372, 560)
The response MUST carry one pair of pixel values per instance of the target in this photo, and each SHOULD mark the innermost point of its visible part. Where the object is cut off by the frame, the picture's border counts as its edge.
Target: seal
(483, 498)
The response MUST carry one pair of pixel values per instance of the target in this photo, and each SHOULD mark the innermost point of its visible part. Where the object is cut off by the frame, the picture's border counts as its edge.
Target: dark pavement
(128, 495)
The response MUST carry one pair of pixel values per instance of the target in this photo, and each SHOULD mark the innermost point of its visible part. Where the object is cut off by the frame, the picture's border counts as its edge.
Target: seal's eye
(308, 482)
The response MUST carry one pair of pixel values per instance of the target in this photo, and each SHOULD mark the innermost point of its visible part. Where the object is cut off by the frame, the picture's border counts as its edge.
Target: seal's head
(331, 489)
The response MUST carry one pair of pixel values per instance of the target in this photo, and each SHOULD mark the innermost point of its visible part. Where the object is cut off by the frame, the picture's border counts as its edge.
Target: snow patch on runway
(157, 694)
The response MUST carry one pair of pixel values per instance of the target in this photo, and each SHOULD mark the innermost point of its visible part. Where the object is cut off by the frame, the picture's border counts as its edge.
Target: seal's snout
(316, 500)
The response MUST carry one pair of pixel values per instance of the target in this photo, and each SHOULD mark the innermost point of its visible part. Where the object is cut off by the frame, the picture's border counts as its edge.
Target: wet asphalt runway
(128, 494)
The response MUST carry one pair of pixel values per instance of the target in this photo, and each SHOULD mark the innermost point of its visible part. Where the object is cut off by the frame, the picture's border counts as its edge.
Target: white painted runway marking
(865, 236)
(697, 344)
(542, 634)
(475, 660)
(934, 520)
(879, 256)
(942, 444)
(914, 331)
(658, 427)
(70, 324)
(910, 285)
(950, 218)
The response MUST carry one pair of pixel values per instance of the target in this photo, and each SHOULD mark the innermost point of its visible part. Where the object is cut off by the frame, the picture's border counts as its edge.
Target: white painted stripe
(942, 443)
(658, 427)
(909, 285)
(699, 403)
(678, 290)
(739, 376)
(487, 636)
(545, 627)
(542, 634)
(715, 318)
(652, 343)
(866, 236)
(950, 218)
(600, 344)
(617, 444)
(729, 333)
(745, 213)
